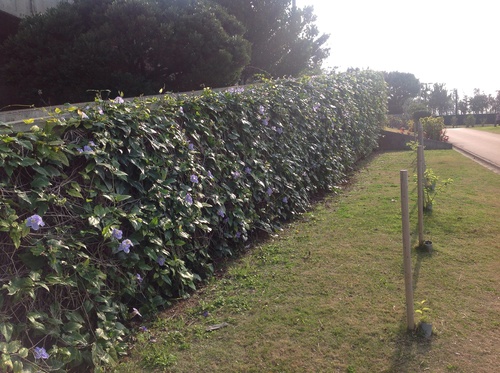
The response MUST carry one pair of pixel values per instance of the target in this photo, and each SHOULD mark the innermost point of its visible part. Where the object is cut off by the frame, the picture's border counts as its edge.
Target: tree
(402, 86)
(497, 103)
(439, 99)
(285, 41)
(479, 102)
(136, 46)
(463, 105)
(415, 107)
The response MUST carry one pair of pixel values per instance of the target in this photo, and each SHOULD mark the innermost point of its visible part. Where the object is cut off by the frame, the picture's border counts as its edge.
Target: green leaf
(25, 144)
(18, 284)
(6, 329)
(59, 157)
(136, 223)
(41, 170)
(121, 197)
(155, 240)
(71, 326)
(32, 317)
(23, 352)
(101, 334)
(5, 361)
(13, 347)
(74, 193)
(99, 210)
(28, 162)
(40, 182)
(18, 367)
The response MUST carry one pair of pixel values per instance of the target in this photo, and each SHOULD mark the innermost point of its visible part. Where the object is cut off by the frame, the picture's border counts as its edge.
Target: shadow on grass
(410, 348)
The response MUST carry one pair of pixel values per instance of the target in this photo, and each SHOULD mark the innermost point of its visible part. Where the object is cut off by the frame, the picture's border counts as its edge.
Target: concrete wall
(23, 8)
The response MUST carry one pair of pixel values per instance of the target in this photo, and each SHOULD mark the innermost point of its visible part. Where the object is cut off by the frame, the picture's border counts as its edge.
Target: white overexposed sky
(439, 41)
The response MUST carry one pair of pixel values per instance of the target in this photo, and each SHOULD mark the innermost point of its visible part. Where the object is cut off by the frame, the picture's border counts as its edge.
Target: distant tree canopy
(285, 40)
(140, 46)
(439, 100)
(401, 86)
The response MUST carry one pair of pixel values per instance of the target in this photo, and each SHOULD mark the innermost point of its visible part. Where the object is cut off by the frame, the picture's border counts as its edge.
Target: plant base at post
(405, 218)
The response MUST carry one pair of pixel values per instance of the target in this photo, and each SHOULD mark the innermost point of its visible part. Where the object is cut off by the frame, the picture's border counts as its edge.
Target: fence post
(405, 217)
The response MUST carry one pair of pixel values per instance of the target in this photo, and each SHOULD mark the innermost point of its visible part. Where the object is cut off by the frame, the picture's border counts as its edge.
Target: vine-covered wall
(113, 210)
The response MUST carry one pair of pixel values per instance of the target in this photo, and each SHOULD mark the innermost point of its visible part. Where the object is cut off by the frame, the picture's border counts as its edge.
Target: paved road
(483, 145)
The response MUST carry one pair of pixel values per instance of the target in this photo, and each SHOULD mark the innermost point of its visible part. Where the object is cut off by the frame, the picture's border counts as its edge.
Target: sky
(438, 41)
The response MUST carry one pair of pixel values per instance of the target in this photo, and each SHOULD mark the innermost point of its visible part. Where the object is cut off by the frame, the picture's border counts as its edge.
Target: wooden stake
(405, 217)
(420, 133)
(420, 187)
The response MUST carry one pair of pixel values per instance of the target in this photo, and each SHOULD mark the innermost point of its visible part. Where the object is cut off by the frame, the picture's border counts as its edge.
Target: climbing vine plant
(110, 211)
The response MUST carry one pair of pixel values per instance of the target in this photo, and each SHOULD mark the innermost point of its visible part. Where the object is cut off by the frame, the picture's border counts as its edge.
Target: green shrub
(433, 127)
(138, 46)
(109, 212)
(470, 120)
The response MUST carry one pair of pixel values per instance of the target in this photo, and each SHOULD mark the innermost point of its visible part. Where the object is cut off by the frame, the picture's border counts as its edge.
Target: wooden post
(420, 187)
(405, 217)
(420, 133)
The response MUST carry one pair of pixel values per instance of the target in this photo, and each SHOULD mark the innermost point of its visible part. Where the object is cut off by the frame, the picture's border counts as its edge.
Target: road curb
(482, 161)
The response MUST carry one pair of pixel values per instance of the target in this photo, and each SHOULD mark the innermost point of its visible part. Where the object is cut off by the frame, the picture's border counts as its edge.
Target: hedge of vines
(115, 209)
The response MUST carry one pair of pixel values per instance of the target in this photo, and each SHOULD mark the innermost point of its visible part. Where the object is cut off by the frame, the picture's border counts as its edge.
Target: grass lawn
(327, 293)
(489, 128)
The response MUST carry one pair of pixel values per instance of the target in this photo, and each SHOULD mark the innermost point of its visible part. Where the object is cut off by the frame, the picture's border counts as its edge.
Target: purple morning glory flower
(236, 174)
(221, 213)
(116, 233)
(189, 199)
(194, 179)
(248, 170)
(87, 148)
(190, 146)
(279, 130)
(125, 246)
(119, 100)
(160, 260)
(269, 191)
(79, 150)
(265, 122)
(285, 200)
(210, 175)
(143, 329)
(91, 143)
(35, 222)
(40, 353)
(237, 235)
(139, 278)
